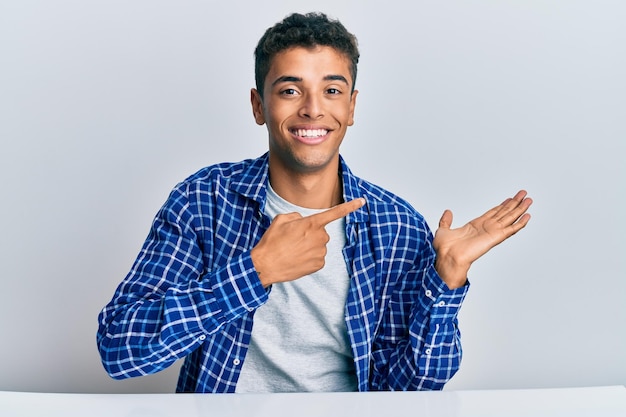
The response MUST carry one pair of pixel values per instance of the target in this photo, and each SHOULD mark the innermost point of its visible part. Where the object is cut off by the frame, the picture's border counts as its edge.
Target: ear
(352, 106)
(257, 107)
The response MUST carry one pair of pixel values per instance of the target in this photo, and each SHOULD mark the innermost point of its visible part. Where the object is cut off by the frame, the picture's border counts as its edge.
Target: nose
(312, 107)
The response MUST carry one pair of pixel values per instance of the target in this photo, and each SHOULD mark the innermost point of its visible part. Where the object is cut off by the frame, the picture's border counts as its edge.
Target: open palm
(458, 248)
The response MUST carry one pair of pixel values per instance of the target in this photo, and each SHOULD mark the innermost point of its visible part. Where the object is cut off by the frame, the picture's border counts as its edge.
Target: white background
(106, 105)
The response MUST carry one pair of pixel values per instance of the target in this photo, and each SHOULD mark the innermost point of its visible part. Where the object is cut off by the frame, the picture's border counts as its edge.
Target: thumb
(446, 220)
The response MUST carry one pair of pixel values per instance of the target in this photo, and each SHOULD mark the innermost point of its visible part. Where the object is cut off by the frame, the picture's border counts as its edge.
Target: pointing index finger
(337, 212)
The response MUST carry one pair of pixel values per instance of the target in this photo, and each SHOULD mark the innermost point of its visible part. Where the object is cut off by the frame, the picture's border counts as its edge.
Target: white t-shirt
(299, 338)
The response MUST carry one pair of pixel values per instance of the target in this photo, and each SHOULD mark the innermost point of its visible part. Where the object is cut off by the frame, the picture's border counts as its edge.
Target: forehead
(309, 63)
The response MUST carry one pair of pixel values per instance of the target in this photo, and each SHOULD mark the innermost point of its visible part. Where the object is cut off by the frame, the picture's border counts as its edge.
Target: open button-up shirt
(193, 288)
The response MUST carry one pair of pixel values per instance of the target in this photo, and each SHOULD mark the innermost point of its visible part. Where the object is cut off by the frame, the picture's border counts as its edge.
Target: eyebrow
(292, 79)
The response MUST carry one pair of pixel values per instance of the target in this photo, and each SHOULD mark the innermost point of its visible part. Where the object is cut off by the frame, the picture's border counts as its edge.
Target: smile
(310, 133)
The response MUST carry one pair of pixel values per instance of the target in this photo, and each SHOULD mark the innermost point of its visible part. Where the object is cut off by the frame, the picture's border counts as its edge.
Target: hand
(458, 248)
(294, 246)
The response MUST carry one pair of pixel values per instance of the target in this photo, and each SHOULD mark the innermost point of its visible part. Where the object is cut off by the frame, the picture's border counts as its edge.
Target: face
(307, 106)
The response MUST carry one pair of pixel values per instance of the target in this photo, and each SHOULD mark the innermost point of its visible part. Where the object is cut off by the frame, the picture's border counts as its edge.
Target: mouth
(309, 133)
(310, 136)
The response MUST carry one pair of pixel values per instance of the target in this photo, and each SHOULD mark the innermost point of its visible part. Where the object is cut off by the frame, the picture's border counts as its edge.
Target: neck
(316, 191)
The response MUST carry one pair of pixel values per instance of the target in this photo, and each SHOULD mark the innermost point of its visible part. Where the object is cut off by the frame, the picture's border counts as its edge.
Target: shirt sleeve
(171, 300)
(419, 346)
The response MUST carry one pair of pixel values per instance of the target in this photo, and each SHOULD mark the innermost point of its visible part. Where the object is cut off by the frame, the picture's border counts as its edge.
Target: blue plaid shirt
(193, 289)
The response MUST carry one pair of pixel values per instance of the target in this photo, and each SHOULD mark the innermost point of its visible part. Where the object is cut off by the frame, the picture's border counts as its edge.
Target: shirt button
(236, 362)
(202, 337)
(442, 303)
(429, 293)
(428, 351)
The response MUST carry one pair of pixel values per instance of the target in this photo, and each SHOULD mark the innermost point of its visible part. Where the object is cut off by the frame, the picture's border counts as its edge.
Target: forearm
(142, 333)
(430, 353)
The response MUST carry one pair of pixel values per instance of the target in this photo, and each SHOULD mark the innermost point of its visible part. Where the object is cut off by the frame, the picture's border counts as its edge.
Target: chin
(313, 164)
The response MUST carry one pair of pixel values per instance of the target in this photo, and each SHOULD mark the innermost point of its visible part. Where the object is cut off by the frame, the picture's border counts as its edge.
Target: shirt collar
(252, 183)
(351, 190)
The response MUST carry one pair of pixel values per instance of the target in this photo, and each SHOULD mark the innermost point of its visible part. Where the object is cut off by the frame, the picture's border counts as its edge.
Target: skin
(306, 89)
(309, 90)
(458, 248)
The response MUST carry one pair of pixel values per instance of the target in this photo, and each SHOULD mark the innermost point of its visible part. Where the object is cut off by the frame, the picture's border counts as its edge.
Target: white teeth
(311, 133)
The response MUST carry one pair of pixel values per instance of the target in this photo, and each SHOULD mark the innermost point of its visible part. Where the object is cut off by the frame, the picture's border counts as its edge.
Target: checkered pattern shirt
(193, 289)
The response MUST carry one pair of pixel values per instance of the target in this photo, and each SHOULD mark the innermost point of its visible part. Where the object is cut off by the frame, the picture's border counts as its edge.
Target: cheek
(346, 117)
(277, 119)
(350, 118)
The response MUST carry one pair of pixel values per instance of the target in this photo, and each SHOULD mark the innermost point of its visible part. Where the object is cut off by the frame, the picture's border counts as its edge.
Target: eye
(289, 92)
(333, 91)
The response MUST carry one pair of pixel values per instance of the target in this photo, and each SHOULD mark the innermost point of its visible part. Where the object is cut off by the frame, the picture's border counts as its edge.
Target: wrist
(452, 274)
(261, 270)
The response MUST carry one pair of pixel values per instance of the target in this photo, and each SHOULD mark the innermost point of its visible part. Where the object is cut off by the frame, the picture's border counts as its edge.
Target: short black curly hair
(306, 30)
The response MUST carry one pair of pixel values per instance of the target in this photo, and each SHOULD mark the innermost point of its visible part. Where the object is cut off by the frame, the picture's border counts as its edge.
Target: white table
(571, 402)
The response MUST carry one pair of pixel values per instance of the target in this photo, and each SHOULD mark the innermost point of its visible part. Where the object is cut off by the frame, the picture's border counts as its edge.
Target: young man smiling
(289, 273)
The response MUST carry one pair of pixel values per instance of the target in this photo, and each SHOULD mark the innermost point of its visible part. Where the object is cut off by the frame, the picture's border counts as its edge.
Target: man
(289, 273)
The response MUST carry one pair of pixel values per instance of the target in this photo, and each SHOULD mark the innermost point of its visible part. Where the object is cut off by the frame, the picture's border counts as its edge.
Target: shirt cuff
(238, 289)
(445, 303)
